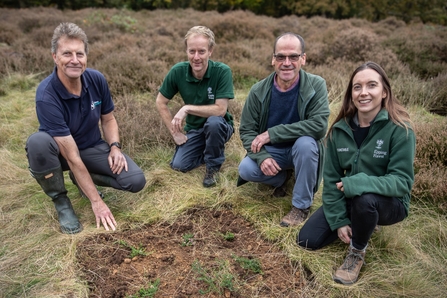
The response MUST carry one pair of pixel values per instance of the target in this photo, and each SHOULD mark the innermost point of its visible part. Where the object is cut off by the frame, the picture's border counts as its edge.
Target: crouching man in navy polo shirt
(69, 104)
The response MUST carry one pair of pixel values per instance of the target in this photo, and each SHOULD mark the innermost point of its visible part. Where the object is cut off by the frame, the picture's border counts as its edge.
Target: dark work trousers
(365, 212)
(44, 155)
(204, 145)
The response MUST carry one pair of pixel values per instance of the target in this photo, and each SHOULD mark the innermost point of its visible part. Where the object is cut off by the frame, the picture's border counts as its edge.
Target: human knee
(179, 166)
(38, 140)
(306, 149)
(42, 152)
(246, 168)
(133, 183)
(214, 121)
(306, 242)
(363, 203)
(138, 183)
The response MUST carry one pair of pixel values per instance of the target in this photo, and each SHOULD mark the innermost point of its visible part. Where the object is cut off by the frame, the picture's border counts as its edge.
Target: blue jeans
(204, 145)
(302, 157)
(365, 212)
(43, 154)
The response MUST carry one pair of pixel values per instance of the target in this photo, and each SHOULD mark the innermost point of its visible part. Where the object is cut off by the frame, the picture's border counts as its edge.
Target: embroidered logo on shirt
(342, 149)
(379, 144)
(377, 152)
(210, 93)
(95, 103)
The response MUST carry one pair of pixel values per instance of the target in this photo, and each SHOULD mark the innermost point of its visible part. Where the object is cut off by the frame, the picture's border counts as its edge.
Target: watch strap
(117, 144)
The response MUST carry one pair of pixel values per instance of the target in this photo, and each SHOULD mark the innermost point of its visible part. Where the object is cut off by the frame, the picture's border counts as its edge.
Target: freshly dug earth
(205, 253)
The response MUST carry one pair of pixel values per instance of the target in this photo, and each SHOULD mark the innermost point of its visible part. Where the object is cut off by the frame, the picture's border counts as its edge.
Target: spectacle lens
(282, 58)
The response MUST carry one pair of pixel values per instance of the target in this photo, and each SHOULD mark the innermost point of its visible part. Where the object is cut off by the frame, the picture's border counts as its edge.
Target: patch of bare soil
(205, 253)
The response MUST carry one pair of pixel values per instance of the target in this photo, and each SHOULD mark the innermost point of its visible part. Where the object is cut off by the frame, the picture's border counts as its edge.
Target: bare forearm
(110, 130)
(84, 180)
(165, 115)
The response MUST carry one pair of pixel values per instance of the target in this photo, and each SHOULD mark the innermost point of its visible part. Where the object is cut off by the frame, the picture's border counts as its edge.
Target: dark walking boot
(52, 183)
(211, 177)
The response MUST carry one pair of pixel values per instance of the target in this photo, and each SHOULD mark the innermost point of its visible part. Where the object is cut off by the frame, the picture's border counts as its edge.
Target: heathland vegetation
(135, 50)
(433, 11)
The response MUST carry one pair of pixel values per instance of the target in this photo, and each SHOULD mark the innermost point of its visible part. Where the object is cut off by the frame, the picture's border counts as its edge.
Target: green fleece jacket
(313, 110)
(382, 165)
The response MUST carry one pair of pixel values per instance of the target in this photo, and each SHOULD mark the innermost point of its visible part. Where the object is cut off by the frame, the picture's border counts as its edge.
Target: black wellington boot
(52, 183)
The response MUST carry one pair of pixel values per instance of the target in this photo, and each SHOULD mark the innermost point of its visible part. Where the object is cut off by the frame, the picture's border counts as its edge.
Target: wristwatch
(117, 144)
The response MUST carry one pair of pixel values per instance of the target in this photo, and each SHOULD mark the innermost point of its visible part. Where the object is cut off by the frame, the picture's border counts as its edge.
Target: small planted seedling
(148, 292)
(249, 264)
(228, 236)
(134, 251)
(218, 279)
(188, 239)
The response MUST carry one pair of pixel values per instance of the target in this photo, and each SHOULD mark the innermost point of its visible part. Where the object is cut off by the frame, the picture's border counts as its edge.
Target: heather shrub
(240, 25)
(130, 73)
(422, 47)
(24, 57)
(140, 124)
(429, 94)
(8, 34)
(34, 18)
(354, 44)
(439, 102)
(431, 160)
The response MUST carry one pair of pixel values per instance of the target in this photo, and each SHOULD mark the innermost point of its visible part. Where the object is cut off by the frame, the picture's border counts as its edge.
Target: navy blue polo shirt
(61, 113)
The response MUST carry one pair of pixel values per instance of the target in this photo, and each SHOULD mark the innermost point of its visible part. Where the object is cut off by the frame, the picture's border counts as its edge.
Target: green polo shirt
(216, 83)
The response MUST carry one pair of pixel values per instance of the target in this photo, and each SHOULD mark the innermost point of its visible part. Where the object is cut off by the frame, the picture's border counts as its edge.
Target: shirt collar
(191, 78)
(64, 94)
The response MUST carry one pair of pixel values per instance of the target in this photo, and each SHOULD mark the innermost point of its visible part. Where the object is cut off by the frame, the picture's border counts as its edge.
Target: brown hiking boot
(294, 217)
(281, 191)
(348, 272)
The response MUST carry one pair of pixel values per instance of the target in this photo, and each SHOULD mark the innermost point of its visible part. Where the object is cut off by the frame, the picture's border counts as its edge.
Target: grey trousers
(43, 155)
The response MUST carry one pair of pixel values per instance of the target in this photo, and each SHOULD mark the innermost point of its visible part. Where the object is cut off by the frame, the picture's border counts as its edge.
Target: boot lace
(352, 260)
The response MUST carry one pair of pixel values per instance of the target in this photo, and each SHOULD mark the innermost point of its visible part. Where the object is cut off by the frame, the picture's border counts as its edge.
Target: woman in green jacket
(368, 172)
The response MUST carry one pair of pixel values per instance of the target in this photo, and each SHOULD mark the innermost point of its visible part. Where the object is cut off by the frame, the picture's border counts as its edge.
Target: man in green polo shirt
(203, 125)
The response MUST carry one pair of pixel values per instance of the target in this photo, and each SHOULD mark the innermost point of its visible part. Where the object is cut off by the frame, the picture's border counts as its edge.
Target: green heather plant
(251, 264)
(228, 236)
(216, 279)
(134, 251)
(188, 239)
(147, 292)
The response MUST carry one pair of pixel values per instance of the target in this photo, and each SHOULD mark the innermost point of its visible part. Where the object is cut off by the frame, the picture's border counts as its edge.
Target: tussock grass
(404, 260)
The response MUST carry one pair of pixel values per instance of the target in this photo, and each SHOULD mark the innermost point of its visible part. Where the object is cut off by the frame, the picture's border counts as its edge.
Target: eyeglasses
(282, 58)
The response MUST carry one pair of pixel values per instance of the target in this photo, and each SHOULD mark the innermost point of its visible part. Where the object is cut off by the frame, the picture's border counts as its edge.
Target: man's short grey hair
(290, 34)
(201, 30)
(71, 31)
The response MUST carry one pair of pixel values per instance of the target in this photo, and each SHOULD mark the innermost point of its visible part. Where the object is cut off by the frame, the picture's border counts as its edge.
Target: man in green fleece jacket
(283, 120)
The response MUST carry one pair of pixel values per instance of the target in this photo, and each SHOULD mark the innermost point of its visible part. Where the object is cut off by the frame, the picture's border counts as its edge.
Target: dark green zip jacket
(382, 165)
(313, 110)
